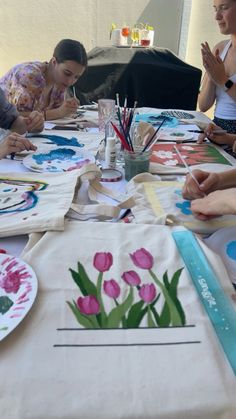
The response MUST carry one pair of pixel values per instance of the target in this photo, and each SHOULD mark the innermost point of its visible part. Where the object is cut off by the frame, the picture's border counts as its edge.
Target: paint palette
(175, 135)
(223, 242)
(18, 289)
(57, 160)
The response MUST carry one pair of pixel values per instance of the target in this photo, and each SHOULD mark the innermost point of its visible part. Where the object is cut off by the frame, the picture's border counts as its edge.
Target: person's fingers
(210, 182)
(201, 138)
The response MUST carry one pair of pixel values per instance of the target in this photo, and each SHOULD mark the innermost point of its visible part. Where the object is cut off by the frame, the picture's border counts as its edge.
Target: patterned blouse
(24, 86)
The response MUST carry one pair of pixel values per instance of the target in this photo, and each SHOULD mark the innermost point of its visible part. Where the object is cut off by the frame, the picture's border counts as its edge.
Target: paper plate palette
(57, 160)
(18, 289)
(175, 135)
(223, 242)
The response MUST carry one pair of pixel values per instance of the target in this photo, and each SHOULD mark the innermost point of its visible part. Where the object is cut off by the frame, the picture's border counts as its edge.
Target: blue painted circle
(231, 250)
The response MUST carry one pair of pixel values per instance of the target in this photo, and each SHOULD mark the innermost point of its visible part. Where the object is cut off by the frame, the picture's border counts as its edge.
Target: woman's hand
(215, 204)
(68, 107)
(208, 182)
(15, 143)
(34, 122)
(213, 65)
(209, 133)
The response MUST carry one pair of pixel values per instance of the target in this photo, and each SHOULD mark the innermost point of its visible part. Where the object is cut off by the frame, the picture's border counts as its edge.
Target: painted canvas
(18, 289)
(145, 364)
(193, 154)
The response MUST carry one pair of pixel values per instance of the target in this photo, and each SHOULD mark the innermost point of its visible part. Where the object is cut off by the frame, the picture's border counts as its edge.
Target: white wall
(30, 29)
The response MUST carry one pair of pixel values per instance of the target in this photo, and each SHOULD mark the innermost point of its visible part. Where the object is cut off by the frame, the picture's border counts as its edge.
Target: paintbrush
(188, 168)
(153, 138)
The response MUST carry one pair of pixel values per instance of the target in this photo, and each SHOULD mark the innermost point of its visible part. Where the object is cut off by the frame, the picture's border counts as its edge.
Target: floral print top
(24, 86)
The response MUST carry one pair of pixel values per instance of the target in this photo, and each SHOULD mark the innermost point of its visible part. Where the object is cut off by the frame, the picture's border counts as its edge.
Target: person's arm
(215, 204)
(211, 133)
(33, 123)
(206, 97)
(67, 108)
(215, 68)
(15, 143)
(208, 182)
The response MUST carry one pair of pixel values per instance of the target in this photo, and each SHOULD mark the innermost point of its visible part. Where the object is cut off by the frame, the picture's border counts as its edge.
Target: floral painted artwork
(18, 289)
(193, 154)
(17, 195)
(138, 298)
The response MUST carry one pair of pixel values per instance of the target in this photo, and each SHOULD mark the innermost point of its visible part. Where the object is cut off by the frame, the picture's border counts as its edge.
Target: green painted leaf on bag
(82, 280)
(150, 320)
(165, 319)
(173, 292)
(136, 314)
(83, 320)
(115, 316)
(5, 304)
(166, 280)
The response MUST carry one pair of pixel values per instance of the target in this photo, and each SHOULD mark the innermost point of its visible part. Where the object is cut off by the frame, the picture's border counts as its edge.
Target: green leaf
(151, 322)
(173, 294)
(164, 318)
(5, 304)
(83, 320)
(82, 280)
(166, 280)
(115, 316)
(136, 314)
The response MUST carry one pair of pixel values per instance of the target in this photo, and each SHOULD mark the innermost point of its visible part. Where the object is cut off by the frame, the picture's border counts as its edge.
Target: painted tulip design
(142, 259)
(131, 278)
(88, 305)
(111, 288)
(147, 293)
(102, 261)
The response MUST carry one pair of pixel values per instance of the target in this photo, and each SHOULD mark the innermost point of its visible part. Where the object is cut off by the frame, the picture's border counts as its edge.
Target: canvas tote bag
(33, 202)
(161, 202)
(92, 346)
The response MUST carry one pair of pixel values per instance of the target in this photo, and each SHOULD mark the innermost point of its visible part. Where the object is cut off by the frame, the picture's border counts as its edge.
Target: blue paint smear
(178, 192)
(231, 250)
(59, 154)
(184, 207)
(29, 201)
(58, 140)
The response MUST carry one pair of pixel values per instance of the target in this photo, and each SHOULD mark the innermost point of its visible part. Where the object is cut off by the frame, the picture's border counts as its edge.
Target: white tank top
(225, 107)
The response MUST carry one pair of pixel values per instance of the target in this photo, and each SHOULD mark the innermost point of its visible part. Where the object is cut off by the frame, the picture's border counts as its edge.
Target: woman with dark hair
(42, 85)
(219, 83)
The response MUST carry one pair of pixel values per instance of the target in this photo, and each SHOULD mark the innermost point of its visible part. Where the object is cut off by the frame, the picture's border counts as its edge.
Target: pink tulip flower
(147, 293)
(102, 261)
(88, 305)
(142, 259)
(131, 278)
(111, 288)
